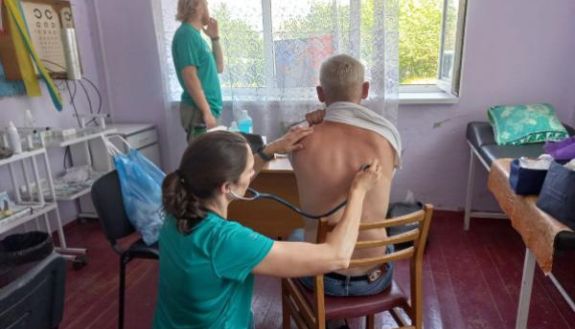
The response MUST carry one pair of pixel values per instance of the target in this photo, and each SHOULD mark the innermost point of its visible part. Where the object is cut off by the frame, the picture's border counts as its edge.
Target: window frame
(443, 91)
(452, 85)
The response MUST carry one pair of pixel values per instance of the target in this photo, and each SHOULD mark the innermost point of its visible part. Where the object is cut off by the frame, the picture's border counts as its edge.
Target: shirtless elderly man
(347, 137)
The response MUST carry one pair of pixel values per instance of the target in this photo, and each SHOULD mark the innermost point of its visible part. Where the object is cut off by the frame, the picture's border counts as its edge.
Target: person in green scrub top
(197, 66)
(207, 262)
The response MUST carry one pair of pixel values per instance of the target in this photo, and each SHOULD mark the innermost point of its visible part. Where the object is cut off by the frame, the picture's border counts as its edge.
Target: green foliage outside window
(244, 48)
(419, 39)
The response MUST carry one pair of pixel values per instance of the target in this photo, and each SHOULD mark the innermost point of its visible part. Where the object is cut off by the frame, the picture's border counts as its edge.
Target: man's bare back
(325, 168)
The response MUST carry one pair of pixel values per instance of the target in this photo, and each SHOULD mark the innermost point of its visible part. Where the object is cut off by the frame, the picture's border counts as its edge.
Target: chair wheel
(79, 262)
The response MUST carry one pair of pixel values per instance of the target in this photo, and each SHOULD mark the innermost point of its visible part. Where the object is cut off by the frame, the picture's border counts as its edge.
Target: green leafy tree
(419, 27)
(419, 40)
(319, 21)
(244, 50)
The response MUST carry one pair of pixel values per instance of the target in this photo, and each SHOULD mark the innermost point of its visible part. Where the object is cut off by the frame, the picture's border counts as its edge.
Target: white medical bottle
(31, 134)
(245, 123)
(30, 122)
(14, 138)
(234, 127)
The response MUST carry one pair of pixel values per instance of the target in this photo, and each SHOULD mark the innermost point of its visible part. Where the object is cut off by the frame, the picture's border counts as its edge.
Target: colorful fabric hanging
(25, 51)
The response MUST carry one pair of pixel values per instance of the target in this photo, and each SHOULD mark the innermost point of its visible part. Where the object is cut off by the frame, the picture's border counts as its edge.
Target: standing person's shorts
(192, 121)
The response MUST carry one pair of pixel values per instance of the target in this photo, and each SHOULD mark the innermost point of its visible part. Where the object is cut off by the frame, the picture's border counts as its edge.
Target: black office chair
(107, 199)
(32, 294)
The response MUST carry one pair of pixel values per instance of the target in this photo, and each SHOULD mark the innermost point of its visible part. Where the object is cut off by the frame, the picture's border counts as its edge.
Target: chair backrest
(36, 298)
(107, 199)
(418, 235)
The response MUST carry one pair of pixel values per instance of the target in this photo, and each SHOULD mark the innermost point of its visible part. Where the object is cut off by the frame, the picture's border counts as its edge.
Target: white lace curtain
(273, 50)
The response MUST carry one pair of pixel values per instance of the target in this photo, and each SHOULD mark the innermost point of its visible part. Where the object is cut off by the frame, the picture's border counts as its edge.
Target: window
(277, 46)
(430, 46)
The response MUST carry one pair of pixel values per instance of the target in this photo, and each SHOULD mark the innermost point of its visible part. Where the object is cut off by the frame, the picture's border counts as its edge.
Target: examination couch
(483, 147)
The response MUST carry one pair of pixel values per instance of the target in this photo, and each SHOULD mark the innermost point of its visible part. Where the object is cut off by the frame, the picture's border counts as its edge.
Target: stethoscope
(252, 195)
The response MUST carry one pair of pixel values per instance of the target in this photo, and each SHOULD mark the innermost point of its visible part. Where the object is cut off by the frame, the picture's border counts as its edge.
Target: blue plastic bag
(141, 185)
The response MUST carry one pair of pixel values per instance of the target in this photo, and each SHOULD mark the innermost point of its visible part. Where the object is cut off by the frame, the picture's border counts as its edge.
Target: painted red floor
(472, 281)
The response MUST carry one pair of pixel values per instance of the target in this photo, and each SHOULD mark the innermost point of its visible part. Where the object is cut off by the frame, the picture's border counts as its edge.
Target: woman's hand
(289, 142)
(315, 117)
(210, 120)
(366, 178)
(212, 30)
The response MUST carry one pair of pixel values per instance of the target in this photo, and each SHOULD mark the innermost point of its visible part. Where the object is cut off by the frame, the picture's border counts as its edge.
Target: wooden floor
(472, 280)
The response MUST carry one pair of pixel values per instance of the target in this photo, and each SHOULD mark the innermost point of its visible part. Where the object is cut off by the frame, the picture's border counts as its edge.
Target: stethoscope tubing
(257, 195)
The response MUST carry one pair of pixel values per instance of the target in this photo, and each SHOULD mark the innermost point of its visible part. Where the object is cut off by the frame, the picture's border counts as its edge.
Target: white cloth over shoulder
(362, 117)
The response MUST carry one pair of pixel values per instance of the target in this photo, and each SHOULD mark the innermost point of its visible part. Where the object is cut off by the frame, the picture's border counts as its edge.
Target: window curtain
(273, 50)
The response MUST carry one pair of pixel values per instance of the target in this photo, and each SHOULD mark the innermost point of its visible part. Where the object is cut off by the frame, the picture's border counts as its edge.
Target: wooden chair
(312, 309)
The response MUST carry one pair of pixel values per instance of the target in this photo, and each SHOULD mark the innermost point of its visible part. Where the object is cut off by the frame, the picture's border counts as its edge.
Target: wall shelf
(83, 135)
(18, 219)
(21, 156)
(79, 190)
(64, 191)
(29, 162)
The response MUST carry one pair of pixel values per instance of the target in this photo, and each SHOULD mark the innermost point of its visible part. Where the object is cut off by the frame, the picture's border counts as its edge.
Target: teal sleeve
(187, 51)
(238, 251)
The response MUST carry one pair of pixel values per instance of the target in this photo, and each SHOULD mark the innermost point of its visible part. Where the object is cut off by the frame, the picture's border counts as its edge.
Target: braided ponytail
(181, 204)
(209, 161)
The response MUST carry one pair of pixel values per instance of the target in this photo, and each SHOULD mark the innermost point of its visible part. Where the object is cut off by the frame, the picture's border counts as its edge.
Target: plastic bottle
(31, 133)
(14, 138)
(234, 127)
(30, 122)
(245, 123)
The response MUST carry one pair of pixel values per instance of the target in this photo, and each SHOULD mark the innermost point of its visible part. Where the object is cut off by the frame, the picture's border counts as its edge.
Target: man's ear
(364, 90)
(320, 94)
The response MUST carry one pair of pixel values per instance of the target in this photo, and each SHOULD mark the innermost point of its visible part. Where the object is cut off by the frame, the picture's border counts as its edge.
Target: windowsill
(427, 98)
(405, 98)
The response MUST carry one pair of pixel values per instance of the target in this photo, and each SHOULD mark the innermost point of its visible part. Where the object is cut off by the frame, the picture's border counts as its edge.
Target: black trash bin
(399, 209)
(27, 247)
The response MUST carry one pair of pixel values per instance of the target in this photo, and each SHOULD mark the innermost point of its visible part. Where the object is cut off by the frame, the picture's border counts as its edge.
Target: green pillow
(525, 124)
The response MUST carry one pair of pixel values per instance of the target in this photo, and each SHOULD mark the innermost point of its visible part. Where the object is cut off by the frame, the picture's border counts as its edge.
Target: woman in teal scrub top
(207, 262)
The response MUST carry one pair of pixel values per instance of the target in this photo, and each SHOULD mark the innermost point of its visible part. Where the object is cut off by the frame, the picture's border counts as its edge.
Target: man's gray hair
(186, 9)
(341, 76)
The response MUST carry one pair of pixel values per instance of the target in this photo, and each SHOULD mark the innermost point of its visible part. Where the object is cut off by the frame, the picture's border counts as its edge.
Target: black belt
(373, 275)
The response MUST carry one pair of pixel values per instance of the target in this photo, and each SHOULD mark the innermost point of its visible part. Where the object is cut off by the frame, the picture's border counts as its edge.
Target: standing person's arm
(212, 31)
(194, 87)
(218, 54)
